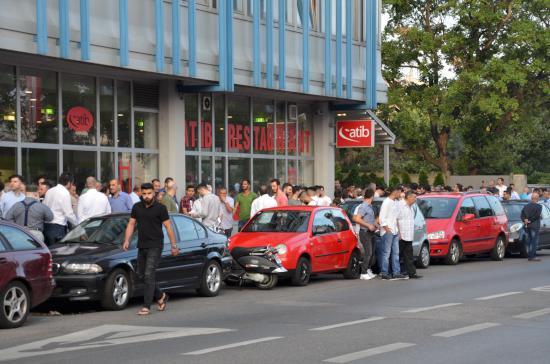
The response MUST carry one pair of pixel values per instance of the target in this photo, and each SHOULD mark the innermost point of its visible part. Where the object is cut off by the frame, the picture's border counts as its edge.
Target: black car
(89, 264)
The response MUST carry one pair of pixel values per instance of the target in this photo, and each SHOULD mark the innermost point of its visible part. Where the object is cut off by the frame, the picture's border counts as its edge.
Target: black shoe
(399, 277)
(385, 276)
(414, 276)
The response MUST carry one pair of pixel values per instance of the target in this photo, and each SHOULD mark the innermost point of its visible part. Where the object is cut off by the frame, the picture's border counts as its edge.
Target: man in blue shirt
(12, 197)
(120, 201)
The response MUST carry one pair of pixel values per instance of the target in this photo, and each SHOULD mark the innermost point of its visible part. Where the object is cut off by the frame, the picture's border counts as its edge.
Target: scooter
(260, 266)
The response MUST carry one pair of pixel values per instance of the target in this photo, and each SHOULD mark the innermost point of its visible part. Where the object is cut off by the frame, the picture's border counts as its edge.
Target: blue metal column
(222, 46)
(123, 19)
(256, 58)
(159, 26)
(349, 44)
(41, 27)
(230, 86)
(269, 43)
(305, 40)
(192, 34)
(328, 41)
(84, 30)
(282, 41)
(64, 28)
(176, 50)
(372, 38)
(339, 48)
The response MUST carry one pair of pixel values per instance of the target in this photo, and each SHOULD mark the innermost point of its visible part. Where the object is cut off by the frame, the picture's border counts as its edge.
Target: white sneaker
(371, 274)
(365, 277)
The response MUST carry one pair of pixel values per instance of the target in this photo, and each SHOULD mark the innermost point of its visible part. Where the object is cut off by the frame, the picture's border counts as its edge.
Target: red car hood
(433, 225)
(250, 240)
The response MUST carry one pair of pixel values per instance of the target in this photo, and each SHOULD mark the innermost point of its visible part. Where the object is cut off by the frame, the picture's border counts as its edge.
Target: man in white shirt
(501, 187)
(14, 195)
(209, 206)
(390, 236)
(405, 222)
(323, 199)
(58, 199)
(263, 202)
(92, 203)
(136, 194)
(306, 199)
(226, 211)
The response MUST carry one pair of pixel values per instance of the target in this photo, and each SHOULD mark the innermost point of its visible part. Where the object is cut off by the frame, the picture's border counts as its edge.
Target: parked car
(26, 278)
(421, 244)
(308, 240)
(517, 241)
(464, 224)
(89, 264)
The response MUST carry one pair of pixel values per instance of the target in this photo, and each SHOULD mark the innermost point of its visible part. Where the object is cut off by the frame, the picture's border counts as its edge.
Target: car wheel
(15, 305)
(211, 280)
(353, 271)
(453, 256)
(116, 294)
(271, 282)
(423, 260)
(523, 251)
(499, 249)
(302, 273)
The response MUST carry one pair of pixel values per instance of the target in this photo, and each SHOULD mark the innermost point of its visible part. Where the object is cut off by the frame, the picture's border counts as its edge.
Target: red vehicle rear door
(468, 230)
(324, 241)
(345, 241)
(487, 228)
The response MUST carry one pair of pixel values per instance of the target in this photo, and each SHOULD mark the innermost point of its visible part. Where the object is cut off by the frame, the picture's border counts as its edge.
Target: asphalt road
(477, 312)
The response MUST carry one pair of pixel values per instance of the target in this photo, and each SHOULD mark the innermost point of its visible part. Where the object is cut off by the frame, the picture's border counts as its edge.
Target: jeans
(406, 252)
(390, 248)
(532, 236)
(53, 233)
(367, 240)
(147, 263)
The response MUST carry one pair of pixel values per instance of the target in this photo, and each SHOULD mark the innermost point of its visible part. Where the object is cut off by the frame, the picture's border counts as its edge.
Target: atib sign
(80, 119)
(355, 134)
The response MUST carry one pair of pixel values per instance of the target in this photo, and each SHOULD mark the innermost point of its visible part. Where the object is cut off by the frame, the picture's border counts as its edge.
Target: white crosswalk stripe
(343, 324)
(369, 352)
(533, 314)
(422, 309)
(231, 346)
(492, 297)
(466, 330)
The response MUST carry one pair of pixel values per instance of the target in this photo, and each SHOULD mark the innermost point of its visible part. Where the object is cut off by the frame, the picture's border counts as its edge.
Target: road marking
(343, 324)
(100, 337)
(369, 352)
(230, 346)
(466, 330)
(422, 309)
(532, 314)
(541, 289)
(497, 296)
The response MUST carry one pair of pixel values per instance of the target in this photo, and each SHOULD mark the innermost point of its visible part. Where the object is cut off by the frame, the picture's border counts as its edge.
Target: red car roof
(297, 208)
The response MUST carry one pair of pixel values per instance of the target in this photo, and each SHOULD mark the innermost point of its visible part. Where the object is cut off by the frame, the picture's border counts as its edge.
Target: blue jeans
(532, 236)
(390, 248)
(53, 233)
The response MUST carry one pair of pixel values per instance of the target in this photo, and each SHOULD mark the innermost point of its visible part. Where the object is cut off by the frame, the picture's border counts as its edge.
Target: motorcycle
(261, 266)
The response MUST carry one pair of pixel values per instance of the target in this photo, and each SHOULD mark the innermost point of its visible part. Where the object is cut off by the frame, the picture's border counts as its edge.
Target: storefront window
(263, 172)
(206, 122)
(306, 172)
(191, 170)
(125, 171)
(38, 97)
(219, 165)
(123, 114)
(79, 109)
(8, 94)
(238, 117)
(281, 128)
(206, 170)
(305, 131)
(107, 166)
(292, 176)
(81, 165)
(262, 126)
(191, 124)
(291, 129)
(146, 130)
(106, 112)
(219, 115)
(146, 168)
(239, 168)
(8, 163)
(281, 170)
(37, 162)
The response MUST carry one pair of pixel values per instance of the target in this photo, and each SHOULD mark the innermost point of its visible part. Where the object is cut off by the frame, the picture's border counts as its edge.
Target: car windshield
(98, 231)
(513, 210)
(437, 207)
(279, 222)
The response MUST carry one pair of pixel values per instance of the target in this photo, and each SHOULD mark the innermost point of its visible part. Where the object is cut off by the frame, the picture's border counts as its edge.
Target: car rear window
(437, 207)
(99, 230)
(279, 222)
(496, 205)
(513, 210)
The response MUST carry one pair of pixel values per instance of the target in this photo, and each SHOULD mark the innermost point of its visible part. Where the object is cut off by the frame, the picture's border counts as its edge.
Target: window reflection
(79, 106)
(8, 123)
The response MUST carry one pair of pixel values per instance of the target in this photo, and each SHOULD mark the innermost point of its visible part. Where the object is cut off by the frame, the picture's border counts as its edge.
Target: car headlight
(281, 249)
(516, 227)
(436, 235)
(80, 268)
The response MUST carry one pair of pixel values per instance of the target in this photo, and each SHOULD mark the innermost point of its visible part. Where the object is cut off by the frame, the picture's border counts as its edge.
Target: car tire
(117, 290)
(454, 253)
(353, 270)
(499, 250)
(302, 273)
(423, 260)
(523, 251)
(272, 281)
(211, 280)
(15, 302)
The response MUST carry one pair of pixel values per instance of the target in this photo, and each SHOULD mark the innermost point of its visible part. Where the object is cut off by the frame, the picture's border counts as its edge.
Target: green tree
(394, 181)
(405, 178)
(423, 178)
(439, 180)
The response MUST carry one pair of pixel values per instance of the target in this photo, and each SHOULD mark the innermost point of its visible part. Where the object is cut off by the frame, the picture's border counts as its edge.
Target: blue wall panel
(176, 38)
(123, 26)
(84, 30)
(192, 34)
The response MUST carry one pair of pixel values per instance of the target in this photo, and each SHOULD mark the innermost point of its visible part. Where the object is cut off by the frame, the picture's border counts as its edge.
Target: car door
(419, 229)
(323, 241)
(487, 226)
(345, 239)
(544, 237)
(169, 271)
(192, 242)
(468, 230)
(7, 266)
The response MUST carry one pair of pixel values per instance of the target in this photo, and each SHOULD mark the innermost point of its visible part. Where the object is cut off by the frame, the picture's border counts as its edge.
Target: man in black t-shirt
(530, 215)
(150, 216)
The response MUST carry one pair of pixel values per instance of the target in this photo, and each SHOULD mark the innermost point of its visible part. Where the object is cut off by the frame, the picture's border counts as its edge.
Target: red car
(464, 224)
(26, 277)
(309, 240)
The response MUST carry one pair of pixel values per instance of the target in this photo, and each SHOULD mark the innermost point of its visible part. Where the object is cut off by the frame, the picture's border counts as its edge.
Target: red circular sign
(80, 119)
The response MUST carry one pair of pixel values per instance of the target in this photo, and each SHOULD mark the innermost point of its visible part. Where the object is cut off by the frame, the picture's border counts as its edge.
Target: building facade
(201, 90)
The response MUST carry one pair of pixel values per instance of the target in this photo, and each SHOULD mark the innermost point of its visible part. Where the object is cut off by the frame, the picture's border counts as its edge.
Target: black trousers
(148, 261)
(367, 240)
(406, 255)
(228, 232)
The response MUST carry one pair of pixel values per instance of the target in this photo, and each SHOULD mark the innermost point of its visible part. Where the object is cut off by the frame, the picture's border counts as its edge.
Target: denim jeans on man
(148, 261)
(53, 233)
(532, 236)
(390, 248)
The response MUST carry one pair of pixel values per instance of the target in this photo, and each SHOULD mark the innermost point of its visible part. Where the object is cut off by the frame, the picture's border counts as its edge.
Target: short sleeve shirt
(149, 224)
(367, 214)
(245, 205)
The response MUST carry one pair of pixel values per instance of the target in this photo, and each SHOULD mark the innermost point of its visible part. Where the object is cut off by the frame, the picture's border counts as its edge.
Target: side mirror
(468, 217)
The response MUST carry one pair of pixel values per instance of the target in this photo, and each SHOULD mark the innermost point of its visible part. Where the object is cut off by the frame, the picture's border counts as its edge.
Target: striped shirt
(405, 221)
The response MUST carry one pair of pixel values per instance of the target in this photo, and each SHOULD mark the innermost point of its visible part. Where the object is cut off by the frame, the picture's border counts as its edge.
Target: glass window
(185, 227)
(2, 247)
(264, 170)
(545, 213)
(79, 107)
(339, 220)
(483, 207)
(291, 130)
(107, 162)
(238, 117)
(99, 230)
(239, 168)
(8, 163)
(106, 112)
(281, 128)
(292, 173)
(305, 131)
(191, 170)
(219, 163)
(219, 114)
(323, 221)
(306, 172)
(38, 106)
(496, 205)
(123, 114)
(513, 211)
(437, 207)
(81, 165)
(206, 122)
(125, 171)
(146, 168)
(37, 162)
(8, 95)
(262, 126)
(146, 130)
(191, 125)
(18, 239)
(468, 207)
(280, 222)
(200, 230)
(206, 170)
(281, 170)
